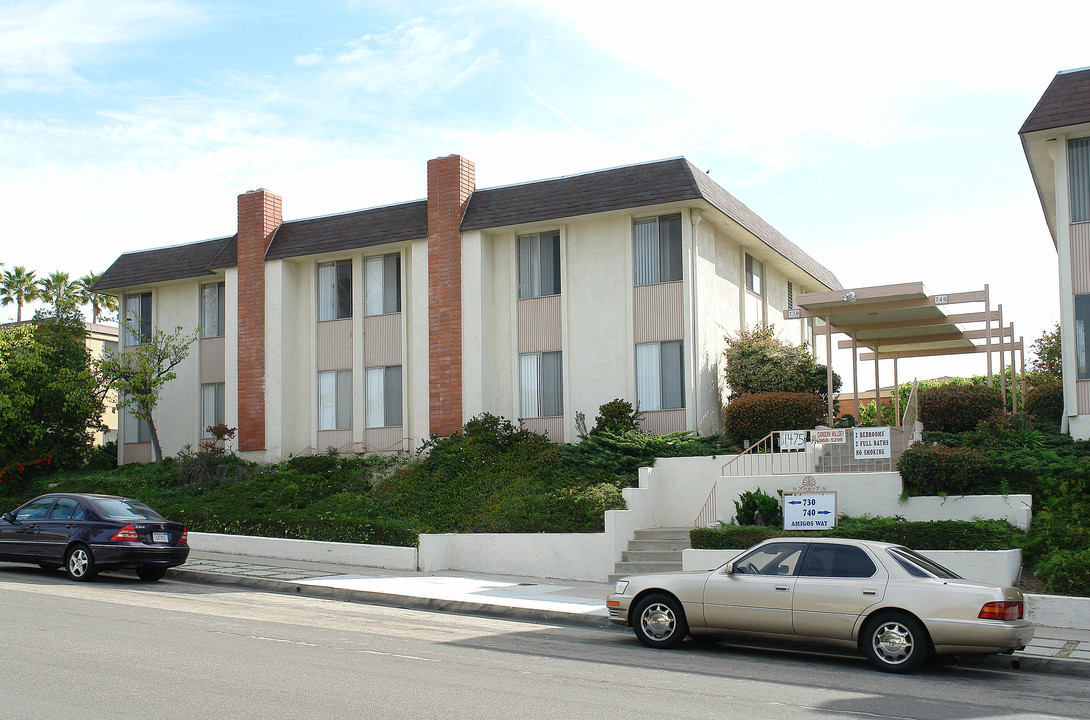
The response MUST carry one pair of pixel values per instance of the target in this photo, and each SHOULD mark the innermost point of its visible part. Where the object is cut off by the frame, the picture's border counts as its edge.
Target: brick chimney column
(450, 183)
(259, 214)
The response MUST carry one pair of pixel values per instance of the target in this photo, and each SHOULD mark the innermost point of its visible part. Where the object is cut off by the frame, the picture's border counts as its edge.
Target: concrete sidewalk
(1059, 650)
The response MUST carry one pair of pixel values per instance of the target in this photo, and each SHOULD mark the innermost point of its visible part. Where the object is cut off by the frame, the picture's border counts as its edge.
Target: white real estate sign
(809, 510)
(871, 443)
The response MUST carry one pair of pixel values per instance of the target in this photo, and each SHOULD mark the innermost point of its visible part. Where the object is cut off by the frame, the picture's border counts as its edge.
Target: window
(541, 385)
(539, 264)
(67, 509)
(334, 290)
(136, 430)
(919, 566)
(212, 304)
(660, 376)
(335, 400)
(1078, 171)
(790, 296)
(382, 284)
(212, 413)
(779, 558)
(34, 510)
(658, 249)
(384, 396)
(137, 328)
(834, 560)
(1082, 327)
(755, 276)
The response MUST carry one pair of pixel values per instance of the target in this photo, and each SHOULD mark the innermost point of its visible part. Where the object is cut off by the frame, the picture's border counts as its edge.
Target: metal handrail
(706, 516)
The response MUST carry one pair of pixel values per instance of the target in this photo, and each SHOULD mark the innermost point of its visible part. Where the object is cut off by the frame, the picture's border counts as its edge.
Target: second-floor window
(137, 328)
(382, 284)
(1078, 171)
(755, 283)
(539, 264)
(658, 249)
(334, 290)
(212, 306)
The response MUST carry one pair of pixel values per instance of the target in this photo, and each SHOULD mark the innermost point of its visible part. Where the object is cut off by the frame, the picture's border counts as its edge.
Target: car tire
(79, 563)
(150, 573)
(659, 622)
(895, 642)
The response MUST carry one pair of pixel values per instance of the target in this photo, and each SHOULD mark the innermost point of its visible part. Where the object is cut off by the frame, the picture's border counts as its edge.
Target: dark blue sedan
(87, 533)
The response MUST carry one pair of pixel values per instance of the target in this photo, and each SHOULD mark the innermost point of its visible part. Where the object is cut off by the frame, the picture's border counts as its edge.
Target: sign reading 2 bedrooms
(871, 443)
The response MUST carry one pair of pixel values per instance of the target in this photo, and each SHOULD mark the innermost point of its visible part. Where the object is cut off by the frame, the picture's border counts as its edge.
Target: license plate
(160, 537)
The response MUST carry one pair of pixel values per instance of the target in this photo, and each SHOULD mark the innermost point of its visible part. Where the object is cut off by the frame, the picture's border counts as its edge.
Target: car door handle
(69, 526)
(782, 588)
(870, 592)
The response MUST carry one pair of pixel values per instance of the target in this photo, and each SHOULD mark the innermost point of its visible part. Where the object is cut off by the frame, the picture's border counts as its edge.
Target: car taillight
(126, 533)
(184, 539)
(1002, 611)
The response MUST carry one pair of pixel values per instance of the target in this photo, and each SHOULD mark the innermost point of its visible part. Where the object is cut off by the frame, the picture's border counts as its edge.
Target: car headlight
(622, 585)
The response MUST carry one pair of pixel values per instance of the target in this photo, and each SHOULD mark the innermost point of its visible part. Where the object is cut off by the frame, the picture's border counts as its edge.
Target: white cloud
(42, 44)
(308, 59)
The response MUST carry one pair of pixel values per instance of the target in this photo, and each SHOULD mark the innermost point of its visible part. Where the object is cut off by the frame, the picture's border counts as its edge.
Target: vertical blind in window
(1078, 171)
(539, 264)
(335, 290)
(212, 414)
(658, 249)
(212, 309)
(335, 400)
(137, 328)
(382, 280)
(384, 396)
(541, 385)
(660, 375)
(1082, 324)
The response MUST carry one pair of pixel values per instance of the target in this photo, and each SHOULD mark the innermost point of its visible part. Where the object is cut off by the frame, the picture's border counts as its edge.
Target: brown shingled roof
(347, 231)
(170, 263)
(1065, 102)
(632, 186)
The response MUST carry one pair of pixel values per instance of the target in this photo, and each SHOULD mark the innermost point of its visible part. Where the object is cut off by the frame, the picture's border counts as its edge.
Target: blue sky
(881, 138)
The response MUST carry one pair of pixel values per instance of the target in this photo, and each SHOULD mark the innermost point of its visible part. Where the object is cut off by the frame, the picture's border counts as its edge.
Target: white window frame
(1078, 179)
(652, 392)
(335, 400)
(541, 384)
(137, 312)
(213, 411)
(213, 300)
(334, 296)
(539, 267)
(755, 284)
(657, 249)
(379, 273)
(384, 392)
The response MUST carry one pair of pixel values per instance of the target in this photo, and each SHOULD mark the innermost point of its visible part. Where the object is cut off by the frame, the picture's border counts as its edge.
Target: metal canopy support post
(1002, 361)
(988, 314)
(855, 372)
(877, 389)
(896, 394)
(829, 365)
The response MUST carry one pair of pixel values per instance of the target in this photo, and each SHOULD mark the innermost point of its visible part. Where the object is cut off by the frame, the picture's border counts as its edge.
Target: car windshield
(119, 509)
(919, 566)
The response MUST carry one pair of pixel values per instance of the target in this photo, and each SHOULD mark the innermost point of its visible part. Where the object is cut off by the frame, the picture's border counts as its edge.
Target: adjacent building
(373, 330)
(1056, 139)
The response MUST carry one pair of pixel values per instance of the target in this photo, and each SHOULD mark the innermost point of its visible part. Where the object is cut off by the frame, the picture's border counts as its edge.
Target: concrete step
(659, 545)
(656, 556)
(663, 534)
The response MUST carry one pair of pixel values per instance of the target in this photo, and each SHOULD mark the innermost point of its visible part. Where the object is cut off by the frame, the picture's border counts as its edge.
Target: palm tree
(99, 302)
(18, 286)
(60, 291)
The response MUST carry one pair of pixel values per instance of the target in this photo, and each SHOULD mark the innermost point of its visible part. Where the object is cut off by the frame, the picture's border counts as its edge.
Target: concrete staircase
(655, 550)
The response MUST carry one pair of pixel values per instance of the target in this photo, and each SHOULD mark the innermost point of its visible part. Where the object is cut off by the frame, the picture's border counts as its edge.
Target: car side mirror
(8, 517)
(728, 569)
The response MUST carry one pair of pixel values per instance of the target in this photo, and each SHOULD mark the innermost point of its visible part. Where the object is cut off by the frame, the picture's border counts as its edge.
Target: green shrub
(1045, 401)
(942, 470)
(753, 416)
(314, 464)
(957, 408)
(617, 417)
(934, 535)
(749, 503)
(1066, 572)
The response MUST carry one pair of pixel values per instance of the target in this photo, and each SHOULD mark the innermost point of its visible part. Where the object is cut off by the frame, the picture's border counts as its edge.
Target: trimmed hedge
(934, 535)
(1045, 401)
(943, 470)
(754, 415)
(958, 408)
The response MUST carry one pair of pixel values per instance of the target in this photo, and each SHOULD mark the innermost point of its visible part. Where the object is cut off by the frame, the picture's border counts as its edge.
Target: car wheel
(660, 622)
(150, 573)
(895, 642)
(79, 563)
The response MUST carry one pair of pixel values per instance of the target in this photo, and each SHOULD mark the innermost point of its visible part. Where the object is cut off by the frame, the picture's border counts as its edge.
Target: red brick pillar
(450, 183)
(259, 214)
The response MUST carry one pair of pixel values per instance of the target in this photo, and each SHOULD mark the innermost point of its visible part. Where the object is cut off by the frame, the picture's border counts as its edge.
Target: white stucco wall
(417, 374)
(177, 414)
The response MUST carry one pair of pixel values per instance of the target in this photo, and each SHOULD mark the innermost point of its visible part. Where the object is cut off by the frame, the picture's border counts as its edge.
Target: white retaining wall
(1000, 567)
(380, 556)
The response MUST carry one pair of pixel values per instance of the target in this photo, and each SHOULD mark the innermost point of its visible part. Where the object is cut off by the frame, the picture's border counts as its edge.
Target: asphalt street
(118, 648)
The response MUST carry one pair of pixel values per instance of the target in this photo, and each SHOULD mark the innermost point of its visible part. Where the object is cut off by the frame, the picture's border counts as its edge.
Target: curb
(1024, 663)
(408, 602)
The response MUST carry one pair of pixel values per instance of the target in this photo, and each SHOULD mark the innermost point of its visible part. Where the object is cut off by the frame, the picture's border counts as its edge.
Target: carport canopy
(906, 321)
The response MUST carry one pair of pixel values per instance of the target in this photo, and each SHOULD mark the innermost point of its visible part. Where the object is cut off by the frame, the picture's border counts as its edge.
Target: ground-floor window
(384, 396)
(335, 400)
(541, 385)
(1082, 326)
(212, 410)
(660, 375)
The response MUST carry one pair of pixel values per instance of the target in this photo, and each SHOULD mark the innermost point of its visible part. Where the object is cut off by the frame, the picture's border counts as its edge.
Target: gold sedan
(886, 601)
